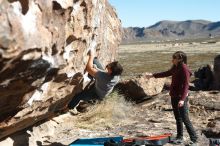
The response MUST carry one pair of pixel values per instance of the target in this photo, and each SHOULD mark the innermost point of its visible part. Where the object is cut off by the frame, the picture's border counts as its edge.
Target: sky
(144, 13)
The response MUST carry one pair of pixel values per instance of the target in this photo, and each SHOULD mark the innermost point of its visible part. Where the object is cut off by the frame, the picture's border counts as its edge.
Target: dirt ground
(116, 117)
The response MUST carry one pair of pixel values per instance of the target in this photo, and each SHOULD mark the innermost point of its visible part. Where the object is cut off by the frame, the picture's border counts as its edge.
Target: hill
(172, 30)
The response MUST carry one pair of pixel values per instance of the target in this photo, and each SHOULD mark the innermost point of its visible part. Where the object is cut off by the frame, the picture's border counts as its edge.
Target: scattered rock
(140, 88)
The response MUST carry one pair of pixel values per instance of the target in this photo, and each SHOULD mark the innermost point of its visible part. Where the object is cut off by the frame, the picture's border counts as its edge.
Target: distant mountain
(172, 30)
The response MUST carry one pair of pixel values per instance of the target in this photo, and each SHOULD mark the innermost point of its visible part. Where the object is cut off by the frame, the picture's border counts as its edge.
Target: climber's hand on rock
(91, 52)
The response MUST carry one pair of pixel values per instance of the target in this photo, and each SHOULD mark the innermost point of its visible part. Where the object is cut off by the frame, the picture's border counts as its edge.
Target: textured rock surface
(204, 78)
(217, 72)
(208, 77)
(139, 88)
(43, 51)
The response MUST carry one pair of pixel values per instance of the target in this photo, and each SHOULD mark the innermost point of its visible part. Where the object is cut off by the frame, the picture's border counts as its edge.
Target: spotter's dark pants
(181, 116)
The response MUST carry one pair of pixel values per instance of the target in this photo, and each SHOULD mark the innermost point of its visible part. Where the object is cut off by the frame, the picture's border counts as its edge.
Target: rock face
(43, 53)
(208, 77)
(217, 72)
(139, 88)
(204, 78)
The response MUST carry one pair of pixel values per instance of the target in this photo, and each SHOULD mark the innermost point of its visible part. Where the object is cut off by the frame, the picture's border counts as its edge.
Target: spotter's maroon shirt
(180, 80)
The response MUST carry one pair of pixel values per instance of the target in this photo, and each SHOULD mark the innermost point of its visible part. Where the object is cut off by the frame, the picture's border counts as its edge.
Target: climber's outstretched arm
(89, 67)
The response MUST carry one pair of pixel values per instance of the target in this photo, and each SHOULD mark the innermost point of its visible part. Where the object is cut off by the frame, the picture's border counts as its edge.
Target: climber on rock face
(105, 80)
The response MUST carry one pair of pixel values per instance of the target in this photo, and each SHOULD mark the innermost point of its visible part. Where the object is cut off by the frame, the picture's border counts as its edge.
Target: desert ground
(139, 58)
(115, 116)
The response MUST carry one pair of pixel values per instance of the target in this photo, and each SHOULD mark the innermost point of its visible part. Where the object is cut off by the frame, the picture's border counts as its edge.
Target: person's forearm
(90, 62)
(162, 74)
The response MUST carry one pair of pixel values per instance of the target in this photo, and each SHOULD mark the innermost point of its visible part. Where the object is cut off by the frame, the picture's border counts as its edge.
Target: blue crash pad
(95, 141)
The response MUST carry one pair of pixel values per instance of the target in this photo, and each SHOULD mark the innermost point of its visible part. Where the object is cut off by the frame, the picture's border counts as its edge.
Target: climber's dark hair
(116, 68)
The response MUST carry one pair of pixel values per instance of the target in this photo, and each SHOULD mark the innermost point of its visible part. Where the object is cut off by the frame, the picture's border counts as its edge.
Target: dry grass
(111, 112)
(139, 58)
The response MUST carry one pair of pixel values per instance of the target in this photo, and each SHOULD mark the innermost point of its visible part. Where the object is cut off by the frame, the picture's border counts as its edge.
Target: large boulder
(43, 53)
(204, 78)
(208, 77)
(217, 72)
(140, 88)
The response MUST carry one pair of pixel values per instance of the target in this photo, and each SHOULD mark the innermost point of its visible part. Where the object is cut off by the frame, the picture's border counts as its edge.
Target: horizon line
(173, 21)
